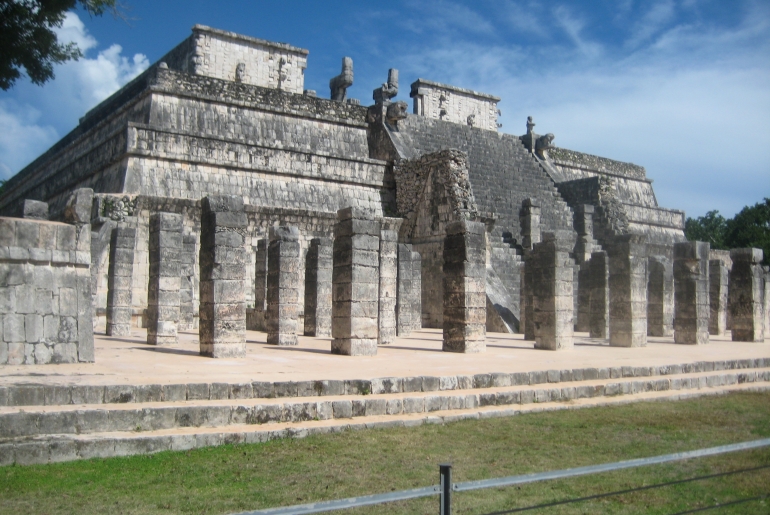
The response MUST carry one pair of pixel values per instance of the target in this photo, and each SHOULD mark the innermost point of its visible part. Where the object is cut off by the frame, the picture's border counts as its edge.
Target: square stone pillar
(599, 269)
(530, 223)
(318, 288)
(260, 286)
(187, 300)
(718, 274)
(766, 304)
(691, 292)
(165, 278)
(628, 291)
(416, 293)
(282, 286)
(404, 291)
(355, 283)
(119, 279)
(660, 297)
(745, 295)
(552, 306)
(222, 259)
(388, 279)
(465, 298)
(527, 323)
(583, 308)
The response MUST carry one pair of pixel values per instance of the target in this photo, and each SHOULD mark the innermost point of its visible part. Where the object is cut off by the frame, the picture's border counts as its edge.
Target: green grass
(245, 477)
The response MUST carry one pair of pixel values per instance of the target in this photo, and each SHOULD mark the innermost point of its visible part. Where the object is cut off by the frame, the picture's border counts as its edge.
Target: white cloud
(659, 15)
(77, 87)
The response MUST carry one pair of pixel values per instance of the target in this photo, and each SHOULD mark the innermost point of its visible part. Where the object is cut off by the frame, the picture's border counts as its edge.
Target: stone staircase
(50, 423)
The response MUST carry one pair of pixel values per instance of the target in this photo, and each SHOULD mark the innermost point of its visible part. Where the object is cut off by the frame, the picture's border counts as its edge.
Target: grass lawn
(245, 477)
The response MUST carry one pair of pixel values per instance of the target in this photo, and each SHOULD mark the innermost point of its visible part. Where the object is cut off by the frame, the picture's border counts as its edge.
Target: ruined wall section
(456, 105)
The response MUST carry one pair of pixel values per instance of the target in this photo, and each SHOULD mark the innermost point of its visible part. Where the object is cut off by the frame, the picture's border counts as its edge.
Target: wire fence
(446, 487)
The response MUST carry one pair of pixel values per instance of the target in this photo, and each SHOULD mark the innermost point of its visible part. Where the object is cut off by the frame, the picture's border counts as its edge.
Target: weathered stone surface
(660, 297)
(628, 291)
(355, 283)
(405, 286)
(691, 292)
(318, 288)
(388, 280)
(745, 295)
(163, 303)
(222, 326)
(552, 283)
(188, 291)
(599, 296)
(282, 286)
(464, 281)
(119, 282)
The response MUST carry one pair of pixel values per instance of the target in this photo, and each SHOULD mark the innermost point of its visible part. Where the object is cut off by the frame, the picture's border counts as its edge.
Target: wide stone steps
(39, 434)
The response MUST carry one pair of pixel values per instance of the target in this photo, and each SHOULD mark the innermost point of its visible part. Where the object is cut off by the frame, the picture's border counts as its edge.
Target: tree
(27, 39)
(751, 228)
(711, 228)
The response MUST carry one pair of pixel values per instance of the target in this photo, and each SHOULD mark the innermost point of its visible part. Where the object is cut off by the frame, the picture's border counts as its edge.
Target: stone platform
(128, 360)
(139, 398)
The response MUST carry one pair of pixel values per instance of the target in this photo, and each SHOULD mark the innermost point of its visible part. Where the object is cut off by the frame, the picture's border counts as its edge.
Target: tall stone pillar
(416, 291)
(628, 291)
(260, 286)
(530, 223)
(745, 295)
(222, 259)
(552, 282)
(465, 298)
(526, 301)
(718, 275)
(660, 297)
(355, 283)
(766, 304)
(691, 292)
(388, 279)
(599, 298)
(165, 278)
(119, 278)
(282, 286)
(404, 296)
(318, 288)
(187, 285)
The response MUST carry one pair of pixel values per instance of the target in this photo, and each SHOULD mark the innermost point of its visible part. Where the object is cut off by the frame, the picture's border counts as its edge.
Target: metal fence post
(445, 501)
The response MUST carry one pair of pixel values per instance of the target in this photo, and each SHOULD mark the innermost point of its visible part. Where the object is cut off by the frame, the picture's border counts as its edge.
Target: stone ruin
(215, 193)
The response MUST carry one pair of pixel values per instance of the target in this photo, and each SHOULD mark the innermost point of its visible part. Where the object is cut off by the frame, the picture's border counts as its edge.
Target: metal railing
(445, 487)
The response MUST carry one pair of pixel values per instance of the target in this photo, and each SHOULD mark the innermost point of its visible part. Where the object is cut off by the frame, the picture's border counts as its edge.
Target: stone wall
(45, 292)
(456, 105)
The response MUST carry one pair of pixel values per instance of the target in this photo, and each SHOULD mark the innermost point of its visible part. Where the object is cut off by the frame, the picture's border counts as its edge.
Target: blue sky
(679, 87)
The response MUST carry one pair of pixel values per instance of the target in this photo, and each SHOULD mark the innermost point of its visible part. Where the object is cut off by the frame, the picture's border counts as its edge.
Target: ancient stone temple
(227, 116)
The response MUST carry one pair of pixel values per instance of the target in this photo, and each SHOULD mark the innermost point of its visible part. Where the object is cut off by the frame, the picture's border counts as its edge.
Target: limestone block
(552, 299)
(388, 279)
(691, 292)
(628, 291)
(745, 295)
(318, 288)
(718, 276)
(163, 305)
(660, 297)
(282, 285)
(464, 288)
(119, 274)
(405, 285)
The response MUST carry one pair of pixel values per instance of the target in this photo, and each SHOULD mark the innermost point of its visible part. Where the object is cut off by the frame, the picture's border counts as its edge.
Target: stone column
(691, 292)
(416, 293)
(530, 223)
(222, 259)
(660, 297)
(552, 281)
(187, 284)
(165, 278)
(355, 283)
(628, 291)
(404, 296)
(260, 285)
(119, 278)
(766, 304)
(718, 275)
(526, 301)
(388, 279)
(318, 288)
(745, 295)
(599, 298)
(282, 286)
(584, 246)
(465, 299)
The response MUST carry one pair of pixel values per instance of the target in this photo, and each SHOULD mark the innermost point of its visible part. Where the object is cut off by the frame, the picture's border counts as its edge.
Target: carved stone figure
(544, 142)
(240, 71)
(471, 120)
(396, 111)
(388, 90)
(343, 81)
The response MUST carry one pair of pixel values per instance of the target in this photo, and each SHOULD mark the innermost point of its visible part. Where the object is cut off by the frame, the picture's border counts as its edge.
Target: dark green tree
(751, 228)
(27, 39)
(711, 228)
